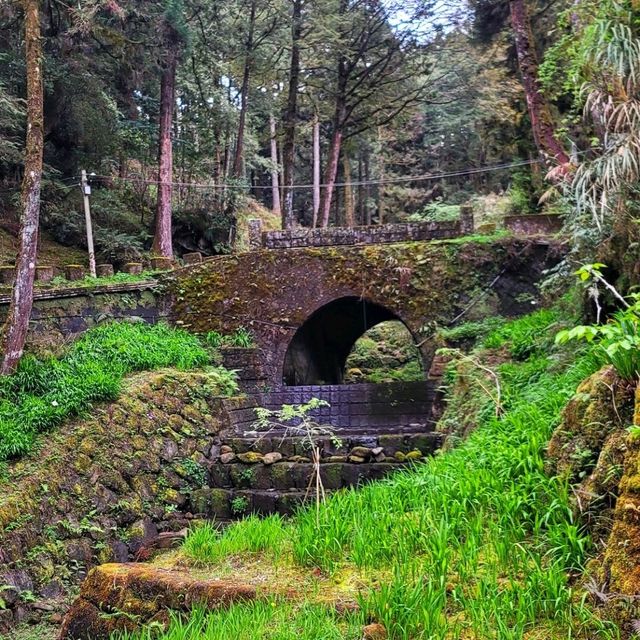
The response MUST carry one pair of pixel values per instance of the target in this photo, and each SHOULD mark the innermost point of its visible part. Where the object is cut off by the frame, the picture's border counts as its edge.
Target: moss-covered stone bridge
(306, 307)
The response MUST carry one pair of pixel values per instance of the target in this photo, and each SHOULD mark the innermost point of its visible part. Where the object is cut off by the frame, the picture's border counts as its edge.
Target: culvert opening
(319, 351)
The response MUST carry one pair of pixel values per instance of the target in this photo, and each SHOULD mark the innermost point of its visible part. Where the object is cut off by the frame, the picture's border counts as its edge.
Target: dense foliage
(45, 391)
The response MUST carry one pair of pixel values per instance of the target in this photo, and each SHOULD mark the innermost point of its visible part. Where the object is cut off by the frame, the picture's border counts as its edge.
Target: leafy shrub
(618, 340)
(43, 392)
(520, 194)
(437, 211)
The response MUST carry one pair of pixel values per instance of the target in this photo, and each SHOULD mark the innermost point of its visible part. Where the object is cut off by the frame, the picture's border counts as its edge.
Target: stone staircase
(381, 428)
(378, 429)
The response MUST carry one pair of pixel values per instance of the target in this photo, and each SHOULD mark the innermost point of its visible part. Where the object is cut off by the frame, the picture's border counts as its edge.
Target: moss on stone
(601, 406)
(622, 557)
(110, 466)
(422, 282)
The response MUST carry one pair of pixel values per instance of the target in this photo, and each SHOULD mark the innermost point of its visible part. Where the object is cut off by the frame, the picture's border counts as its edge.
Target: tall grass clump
(205, 544)
(273, 620)
(43, 392)
(476, 542)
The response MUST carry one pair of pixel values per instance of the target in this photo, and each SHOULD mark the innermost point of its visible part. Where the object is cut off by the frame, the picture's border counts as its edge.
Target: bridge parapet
(370, 234)
(349, 236)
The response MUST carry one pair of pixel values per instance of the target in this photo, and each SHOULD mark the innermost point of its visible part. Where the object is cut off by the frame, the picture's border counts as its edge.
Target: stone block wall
(534, 224)
(391, 405)
(351, 406)
(341, 236)
(61, 314)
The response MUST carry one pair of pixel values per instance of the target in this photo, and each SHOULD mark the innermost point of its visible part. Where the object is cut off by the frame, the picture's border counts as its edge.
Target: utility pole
(86, 192)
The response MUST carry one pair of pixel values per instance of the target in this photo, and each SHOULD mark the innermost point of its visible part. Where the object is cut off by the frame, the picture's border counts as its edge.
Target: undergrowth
(477, 542)
(90, 282)
(43, 392)
(273, 619)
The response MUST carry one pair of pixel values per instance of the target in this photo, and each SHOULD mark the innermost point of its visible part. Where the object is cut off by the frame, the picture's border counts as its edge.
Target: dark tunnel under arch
(319, 349)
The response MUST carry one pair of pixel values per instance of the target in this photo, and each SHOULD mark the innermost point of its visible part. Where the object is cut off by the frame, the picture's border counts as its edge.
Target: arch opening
(318, 352)
(385, 353)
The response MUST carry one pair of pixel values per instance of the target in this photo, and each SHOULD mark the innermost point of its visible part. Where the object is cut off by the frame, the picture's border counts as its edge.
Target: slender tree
(275, 177)
(349, 202)
(244, 91)
(291, 116)
(377, 75)
(174, 36)
(542, 122)
(15, 332)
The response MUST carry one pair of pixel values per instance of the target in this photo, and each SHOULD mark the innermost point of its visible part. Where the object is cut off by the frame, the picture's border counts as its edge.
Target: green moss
(422, 281)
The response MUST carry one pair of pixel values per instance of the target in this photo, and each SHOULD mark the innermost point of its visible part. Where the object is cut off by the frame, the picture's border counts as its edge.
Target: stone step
(284, 476)
(391, 443)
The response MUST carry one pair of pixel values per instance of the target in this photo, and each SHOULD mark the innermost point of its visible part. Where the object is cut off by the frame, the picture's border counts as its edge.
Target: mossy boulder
(121, 597)
(601, 406)
(623, 548)
(589, 445)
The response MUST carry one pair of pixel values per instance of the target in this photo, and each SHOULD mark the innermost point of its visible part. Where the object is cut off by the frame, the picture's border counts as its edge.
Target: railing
(375, 234)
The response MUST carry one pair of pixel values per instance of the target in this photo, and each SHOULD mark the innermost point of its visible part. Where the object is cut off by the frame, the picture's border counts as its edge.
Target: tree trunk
(349, 205)
(275, 181)
(162, 242)
(291, 116)
(15, 332)
(367, 190)
(244, 95)
(339, 118)
(360, 207)
(381, 202)
(539, 111)
(330, 177)
(316, 169)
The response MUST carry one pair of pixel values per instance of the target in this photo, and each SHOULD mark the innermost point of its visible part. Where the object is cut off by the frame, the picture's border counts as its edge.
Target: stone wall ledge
(74, 292)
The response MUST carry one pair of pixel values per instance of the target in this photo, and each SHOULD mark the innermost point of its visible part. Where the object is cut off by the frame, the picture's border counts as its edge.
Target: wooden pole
(316, 169)
(86, 192)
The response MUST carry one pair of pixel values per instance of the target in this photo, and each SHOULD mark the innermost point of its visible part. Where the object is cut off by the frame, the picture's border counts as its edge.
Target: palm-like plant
(611, 92)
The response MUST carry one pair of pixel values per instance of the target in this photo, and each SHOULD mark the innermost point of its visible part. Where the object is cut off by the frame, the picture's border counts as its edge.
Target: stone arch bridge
(306, 307)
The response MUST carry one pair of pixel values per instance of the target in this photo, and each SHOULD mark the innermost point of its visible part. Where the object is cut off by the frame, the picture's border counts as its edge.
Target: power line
(400, 180)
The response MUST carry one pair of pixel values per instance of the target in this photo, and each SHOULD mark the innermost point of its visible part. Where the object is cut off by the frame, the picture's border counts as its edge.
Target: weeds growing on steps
(476, 543)
(42, 393)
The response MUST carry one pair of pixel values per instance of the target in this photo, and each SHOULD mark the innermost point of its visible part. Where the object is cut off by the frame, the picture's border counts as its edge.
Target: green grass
(275, 620)
(206, 544)
(43, 392)
(118, 278)
(477, 542)
(526, 335)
